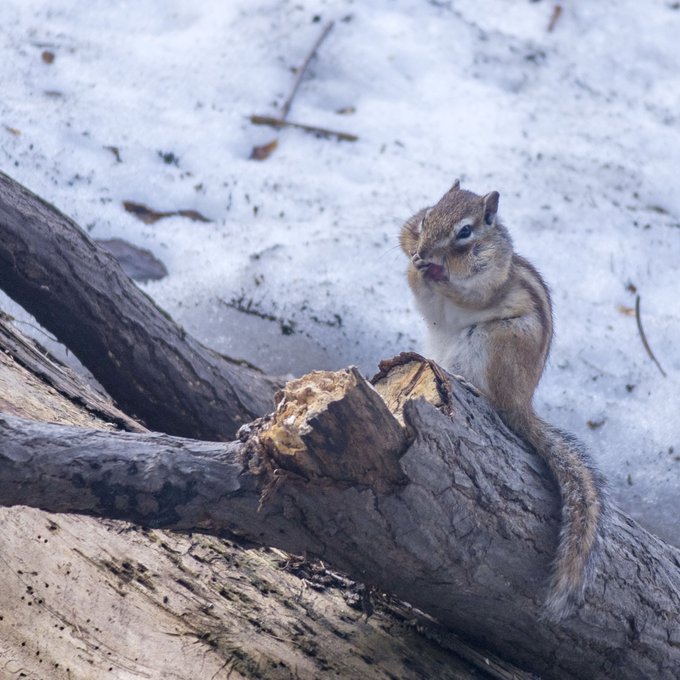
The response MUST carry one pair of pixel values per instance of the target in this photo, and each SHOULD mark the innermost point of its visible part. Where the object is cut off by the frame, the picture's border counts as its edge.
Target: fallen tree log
(84, 598)
(448, 511)
(150, 366)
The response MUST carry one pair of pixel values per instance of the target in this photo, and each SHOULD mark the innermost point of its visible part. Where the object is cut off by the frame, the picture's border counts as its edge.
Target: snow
(577, 128)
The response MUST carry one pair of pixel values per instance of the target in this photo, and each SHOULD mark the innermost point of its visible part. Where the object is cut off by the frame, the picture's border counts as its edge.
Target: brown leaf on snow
(149, 216)
(261, 153)
(193, 215)
(13, 131)
(627, 311)
(47, 57)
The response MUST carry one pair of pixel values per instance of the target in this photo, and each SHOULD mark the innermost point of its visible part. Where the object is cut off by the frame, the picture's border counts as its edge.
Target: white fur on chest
(454, 339)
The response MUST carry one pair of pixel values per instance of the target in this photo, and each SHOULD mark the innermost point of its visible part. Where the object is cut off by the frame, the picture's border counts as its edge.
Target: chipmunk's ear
(490, 202)
(455, 187)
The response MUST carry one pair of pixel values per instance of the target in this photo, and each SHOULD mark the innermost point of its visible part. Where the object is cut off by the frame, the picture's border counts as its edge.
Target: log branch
(150, 366)
(40, 365)
(463, 526)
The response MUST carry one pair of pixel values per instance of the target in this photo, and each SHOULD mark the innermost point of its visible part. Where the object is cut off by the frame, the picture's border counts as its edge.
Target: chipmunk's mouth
(436, 272)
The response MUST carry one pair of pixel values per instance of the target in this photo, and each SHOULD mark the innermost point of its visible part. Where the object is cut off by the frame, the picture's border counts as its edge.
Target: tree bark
(450, 511)
(150, 366)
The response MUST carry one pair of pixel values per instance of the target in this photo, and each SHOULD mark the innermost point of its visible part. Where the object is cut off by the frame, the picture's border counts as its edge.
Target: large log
(450, 511)
(146, 362)
(84, 598)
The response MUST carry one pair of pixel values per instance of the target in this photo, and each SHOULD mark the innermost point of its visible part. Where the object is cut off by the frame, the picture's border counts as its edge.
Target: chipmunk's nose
(418, 259)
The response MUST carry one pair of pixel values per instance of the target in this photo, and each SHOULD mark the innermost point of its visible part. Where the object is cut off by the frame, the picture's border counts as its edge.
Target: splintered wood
(302, 399)
(398, 383)
(334, 425)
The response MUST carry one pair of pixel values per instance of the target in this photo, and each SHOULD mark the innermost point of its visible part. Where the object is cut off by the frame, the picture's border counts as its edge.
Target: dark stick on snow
(557, 13)
(264, 151)
(279, 123)
(643, 337)
(301, 71)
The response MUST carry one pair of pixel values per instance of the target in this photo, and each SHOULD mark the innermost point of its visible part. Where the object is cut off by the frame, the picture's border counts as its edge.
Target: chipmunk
(489, 318)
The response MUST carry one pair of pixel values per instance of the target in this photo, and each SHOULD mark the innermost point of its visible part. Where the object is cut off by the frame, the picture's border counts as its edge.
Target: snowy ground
(577, 128)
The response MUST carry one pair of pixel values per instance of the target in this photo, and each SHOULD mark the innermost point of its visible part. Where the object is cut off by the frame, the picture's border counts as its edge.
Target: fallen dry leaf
(261, 153)
(13, 131)
(47, 57)
(627, 311)
(149, 216)
(193, 215)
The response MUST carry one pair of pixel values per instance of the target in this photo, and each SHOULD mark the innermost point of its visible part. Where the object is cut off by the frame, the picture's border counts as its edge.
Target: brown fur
(477, 284)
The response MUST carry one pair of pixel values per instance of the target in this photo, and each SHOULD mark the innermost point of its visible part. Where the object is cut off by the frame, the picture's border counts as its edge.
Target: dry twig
(557, 12)
(264, 151)
(279, 123)
(301, 71)
(643, 337)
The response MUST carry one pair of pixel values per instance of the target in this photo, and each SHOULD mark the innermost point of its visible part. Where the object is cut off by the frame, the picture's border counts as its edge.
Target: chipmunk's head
(456, 238)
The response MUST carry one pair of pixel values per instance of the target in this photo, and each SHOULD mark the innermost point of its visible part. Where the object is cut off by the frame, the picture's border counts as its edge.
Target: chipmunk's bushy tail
(583, 507)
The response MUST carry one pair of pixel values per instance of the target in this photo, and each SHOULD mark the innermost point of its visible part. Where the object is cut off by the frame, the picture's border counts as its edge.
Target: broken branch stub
(335, 425)
(410, 376)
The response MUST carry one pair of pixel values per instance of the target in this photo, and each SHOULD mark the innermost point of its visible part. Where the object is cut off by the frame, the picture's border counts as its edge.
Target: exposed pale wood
(85, 599)
(146, 362)
(319, 419)
(468, 538)
(410, 376)
(35, 385)
(19, 397)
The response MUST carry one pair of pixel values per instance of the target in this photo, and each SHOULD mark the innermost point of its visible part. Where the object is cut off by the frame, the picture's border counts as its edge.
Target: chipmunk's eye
(465, 232)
